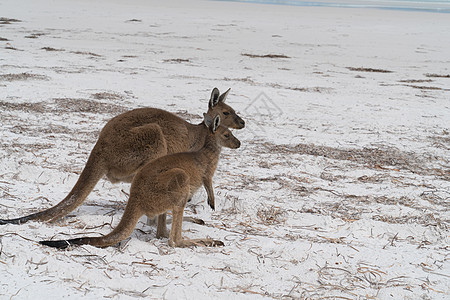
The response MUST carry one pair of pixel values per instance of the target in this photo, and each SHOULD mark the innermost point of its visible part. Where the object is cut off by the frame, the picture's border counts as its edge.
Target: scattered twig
(391, 242)
(265, 55)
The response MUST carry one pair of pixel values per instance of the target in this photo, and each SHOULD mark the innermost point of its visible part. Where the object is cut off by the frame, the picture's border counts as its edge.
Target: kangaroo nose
(242, 123)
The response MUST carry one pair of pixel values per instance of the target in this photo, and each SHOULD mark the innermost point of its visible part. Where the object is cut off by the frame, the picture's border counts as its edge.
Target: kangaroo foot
(188, 219)
(199, 242)
(208, 242)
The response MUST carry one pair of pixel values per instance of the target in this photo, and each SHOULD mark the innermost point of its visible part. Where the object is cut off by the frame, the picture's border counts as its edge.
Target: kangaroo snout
(240, 123)
(238, 144)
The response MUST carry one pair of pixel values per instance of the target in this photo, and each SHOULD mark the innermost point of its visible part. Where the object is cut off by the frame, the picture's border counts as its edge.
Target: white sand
(358, 210)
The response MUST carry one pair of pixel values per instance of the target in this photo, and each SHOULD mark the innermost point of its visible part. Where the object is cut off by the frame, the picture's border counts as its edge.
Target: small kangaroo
(166, 184)
(129, 141)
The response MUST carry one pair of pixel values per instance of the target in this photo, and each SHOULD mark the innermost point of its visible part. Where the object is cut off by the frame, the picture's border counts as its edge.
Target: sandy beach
(341, 187)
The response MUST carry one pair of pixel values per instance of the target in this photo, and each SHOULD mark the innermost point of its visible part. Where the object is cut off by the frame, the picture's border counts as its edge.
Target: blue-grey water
(442, 6)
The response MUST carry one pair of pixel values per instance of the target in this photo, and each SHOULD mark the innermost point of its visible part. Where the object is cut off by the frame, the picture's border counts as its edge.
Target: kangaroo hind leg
(175, 238)
(172, 188)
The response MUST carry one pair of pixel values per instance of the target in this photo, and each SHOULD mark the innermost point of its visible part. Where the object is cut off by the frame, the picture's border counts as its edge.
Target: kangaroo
(130, 140)
(166, 184)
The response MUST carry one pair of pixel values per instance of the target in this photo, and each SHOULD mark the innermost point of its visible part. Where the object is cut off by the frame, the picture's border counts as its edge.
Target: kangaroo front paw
(196, 221)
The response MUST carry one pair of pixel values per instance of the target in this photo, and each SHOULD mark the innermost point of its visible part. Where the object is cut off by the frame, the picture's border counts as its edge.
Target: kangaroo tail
(91, 174)
(126, 226)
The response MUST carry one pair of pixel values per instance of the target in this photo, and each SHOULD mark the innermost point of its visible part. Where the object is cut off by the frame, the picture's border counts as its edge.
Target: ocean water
(442, 6)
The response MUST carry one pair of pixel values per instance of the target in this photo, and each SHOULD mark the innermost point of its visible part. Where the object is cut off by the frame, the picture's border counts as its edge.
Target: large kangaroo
(129, 141)
(166, 184)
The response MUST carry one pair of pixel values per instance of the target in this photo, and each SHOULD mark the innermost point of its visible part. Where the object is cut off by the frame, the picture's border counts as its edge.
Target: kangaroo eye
(226, 113)
(227, 135)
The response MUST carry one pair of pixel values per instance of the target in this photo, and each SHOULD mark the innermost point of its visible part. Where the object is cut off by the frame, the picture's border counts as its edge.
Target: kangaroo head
(228, 116)
(223, 135)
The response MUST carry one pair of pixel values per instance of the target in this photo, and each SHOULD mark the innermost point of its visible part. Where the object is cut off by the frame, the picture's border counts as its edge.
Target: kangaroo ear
(208, 120)
(215, 94)
(216, 123)
(223, 97)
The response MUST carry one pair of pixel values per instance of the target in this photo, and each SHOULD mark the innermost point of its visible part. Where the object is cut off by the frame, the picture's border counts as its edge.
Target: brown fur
(166, 184)
(129, 141)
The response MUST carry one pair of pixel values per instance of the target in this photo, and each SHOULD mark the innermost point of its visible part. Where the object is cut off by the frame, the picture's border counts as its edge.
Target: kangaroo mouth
(239, 126)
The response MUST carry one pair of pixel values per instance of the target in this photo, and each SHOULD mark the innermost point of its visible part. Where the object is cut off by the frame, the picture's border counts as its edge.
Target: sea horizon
(442, 6)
